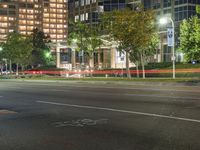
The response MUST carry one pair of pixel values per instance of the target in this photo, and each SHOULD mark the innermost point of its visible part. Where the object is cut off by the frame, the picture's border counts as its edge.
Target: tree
(39, 40)
(143, 54)
(86, 38)
(198, 9)
(190, 38)
(1, 57)
(76, 36)
(17, 48)
(132, 29)
(94, 41)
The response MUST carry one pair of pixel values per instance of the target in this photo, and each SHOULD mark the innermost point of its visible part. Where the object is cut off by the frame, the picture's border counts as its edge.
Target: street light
(163, 21)
(47, 54)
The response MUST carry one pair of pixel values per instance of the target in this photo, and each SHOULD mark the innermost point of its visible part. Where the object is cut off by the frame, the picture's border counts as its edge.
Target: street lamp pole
(164, 21)
(173, 48)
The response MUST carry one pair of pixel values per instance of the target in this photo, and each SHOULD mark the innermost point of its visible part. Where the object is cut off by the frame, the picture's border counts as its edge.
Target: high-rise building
(49, 16)
(178, 10)
(88, 10)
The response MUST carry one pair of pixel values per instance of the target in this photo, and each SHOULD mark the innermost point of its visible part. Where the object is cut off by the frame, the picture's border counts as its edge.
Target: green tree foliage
(94, 41)
(133, 30)
(190, 38)
(198, 9)
(39, 40)
(77, 32)
(17, 48)
(143, 55)
(1, 51)
(84, 37)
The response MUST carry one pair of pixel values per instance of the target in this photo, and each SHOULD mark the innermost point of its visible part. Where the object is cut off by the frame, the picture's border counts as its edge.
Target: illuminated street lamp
(47, 54)
(171, 36)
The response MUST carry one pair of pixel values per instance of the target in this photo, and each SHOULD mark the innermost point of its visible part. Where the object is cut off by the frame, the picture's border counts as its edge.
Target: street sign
(170, 37)
(120, 57)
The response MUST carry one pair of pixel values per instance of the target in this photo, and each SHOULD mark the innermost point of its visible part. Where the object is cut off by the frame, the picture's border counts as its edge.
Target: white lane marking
(174, 97)
(121, 111)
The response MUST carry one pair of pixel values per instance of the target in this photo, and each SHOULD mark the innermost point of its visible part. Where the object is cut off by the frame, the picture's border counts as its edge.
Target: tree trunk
(91, 64)
(127, 66)
(91, 61)
(17, 71)
(10, 67)
(143, 69)
(22, 69)
(137, 69)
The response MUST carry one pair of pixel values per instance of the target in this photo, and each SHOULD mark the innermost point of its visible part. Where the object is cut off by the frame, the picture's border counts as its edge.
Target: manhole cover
(5, 112)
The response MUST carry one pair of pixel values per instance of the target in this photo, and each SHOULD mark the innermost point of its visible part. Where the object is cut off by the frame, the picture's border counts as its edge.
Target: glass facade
(178, 9)
(88, 10)
(109, 5)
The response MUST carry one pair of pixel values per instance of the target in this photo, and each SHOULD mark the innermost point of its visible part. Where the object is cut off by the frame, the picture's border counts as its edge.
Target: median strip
(120, 111)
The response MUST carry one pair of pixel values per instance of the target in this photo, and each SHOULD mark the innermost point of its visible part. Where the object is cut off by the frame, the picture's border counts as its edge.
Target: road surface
(98, 116)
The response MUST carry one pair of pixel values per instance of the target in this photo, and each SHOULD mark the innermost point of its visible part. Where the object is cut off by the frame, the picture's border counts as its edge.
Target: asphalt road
(98, 116)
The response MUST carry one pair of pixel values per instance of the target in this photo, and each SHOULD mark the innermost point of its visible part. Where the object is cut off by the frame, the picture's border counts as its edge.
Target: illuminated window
(45, 10)
(53, 26)
(30, 1)
(2, 30)
(46, 30)
(60, 16)
(87, 2)
(52, 5)
(53, 10)
(29, 22)
(22, 27)
(3, 18)
(5, 6)
(11, 18)
(23, 32)
(3, 25)
(46, 15)
(11, 30)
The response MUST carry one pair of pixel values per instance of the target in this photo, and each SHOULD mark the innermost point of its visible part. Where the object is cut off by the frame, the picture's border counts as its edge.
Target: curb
(178, 83)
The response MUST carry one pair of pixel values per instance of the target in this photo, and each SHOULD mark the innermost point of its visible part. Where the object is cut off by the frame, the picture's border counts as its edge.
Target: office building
(89, 10)
(178, 10)
(49, 16)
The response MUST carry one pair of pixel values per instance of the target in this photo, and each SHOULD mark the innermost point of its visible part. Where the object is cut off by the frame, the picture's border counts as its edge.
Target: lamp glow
(163, 20)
